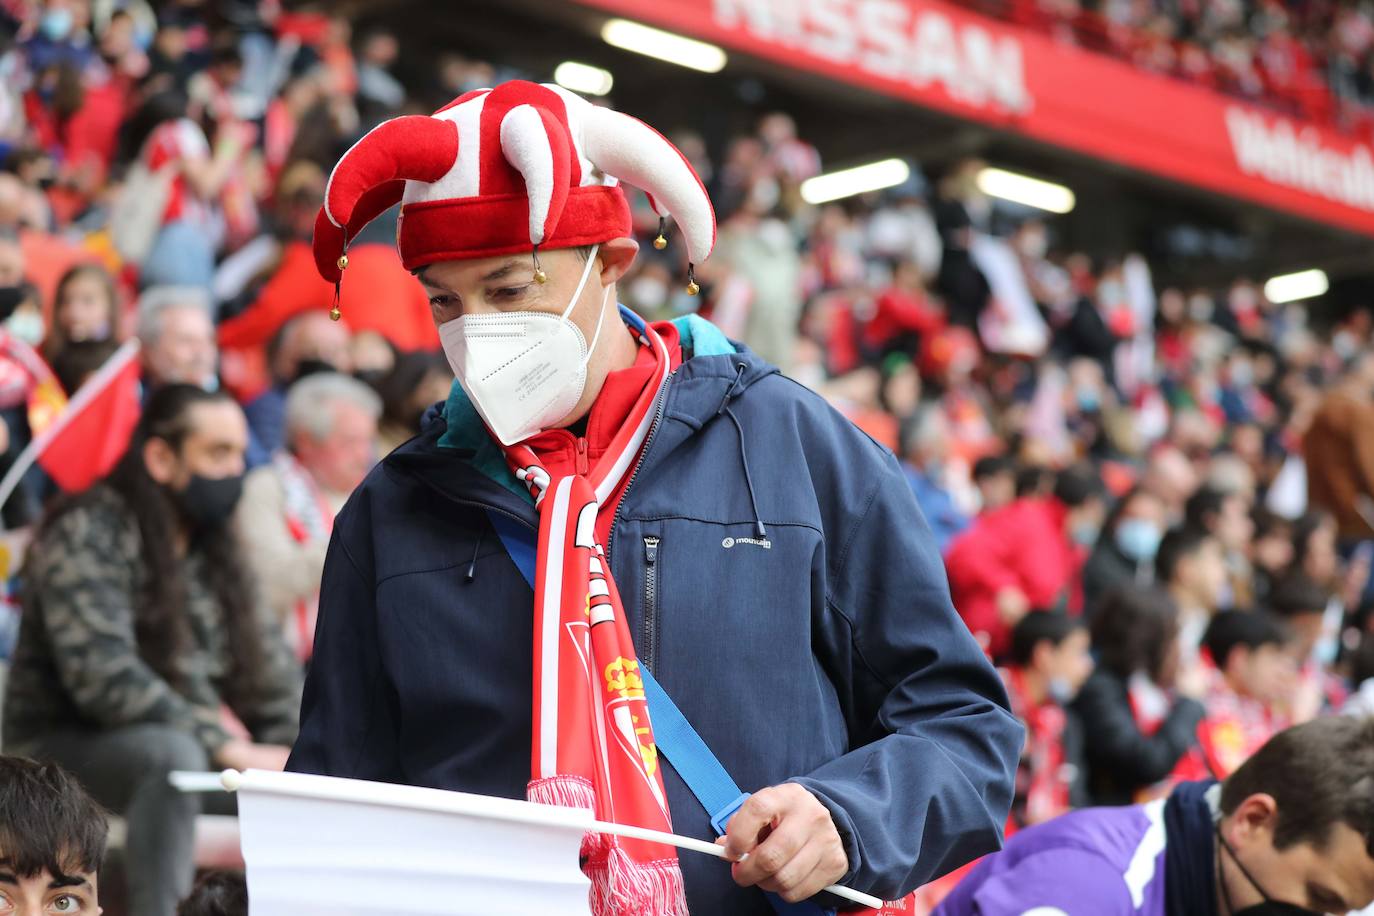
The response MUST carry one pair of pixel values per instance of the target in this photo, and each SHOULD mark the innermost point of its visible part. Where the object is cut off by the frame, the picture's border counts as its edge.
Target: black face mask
(10, 297)
(1270, 906)
(208, 502)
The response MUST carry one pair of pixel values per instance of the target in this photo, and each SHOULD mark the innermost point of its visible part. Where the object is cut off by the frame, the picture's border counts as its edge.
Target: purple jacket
(1093, 862)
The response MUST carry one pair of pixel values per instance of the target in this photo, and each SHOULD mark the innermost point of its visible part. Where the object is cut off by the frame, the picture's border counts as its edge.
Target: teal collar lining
(467, 432)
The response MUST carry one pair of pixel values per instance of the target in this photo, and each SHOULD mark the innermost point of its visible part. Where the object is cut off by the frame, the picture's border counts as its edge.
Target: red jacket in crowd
(1023, 546)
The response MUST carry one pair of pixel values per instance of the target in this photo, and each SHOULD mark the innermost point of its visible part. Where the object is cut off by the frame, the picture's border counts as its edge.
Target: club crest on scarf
(593, 744)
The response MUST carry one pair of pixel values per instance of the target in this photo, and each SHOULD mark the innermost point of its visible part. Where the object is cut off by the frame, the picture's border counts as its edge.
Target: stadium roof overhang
(1208, 186)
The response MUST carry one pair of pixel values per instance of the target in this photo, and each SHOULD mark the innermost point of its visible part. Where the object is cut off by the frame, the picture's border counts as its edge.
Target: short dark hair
(1041, 626)
(1204, 505)
(1180, 542)
(1079, 484)
(217, 893)
(1268, 522)
(1033, 480)
(991, 466)
(1133, 629)
(1230, 630)
(1298, 594)
(1303, 531)
(1320, 774)
(48, 822)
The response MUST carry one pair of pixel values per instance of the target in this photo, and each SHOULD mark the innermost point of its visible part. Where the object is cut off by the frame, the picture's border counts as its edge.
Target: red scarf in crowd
(593, 746)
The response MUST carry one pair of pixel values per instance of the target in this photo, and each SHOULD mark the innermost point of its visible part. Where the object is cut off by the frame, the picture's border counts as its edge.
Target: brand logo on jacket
(756, 542)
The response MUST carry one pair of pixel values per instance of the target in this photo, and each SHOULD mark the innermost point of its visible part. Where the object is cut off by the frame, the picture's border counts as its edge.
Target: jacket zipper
(582, 462)
(639, 462)
(647, 657)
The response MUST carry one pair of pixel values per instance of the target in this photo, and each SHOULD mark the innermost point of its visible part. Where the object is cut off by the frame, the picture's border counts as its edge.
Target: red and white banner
(941, 56)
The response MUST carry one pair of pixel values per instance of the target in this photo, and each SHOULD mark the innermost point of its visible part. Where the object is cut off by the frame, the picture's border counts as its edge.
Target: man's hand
(245, 755)
(788, 843)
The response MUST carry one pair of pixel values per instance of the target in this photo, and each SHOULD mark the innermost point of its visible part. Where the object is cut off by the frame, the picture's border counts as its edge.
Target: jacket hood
(715, 370)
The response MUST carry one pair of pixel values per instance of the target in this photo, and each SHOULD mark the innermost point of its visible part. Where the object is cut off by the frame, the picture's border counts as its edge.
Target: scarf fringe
(623, 887)
(562, 790)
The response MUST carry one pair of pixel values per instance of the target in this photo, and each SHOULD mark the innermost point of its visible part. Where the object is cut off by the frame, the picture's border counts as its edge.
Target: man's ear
(1256, 815)
(160, 460)
(616, 256)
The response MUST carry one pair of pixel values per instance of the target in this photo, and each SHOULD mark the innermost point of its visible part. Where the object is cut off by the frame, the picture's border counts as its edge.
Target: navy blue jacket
(796, 610)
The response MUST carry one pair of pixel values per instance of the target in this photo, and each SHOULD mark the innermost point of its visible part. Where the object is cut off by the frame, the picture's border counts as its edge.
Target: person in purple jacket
(1290, 833)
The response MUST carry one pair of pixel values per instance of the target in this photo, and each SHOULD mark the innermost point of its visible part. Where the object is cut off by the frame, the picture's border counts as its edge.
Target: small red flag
(87, 439)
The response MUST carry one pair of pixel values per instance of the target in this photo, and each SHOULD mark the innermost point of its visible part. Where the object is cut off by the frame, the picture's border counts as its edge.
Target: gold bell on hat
(692, 288)
(539, 275)
(335, 314)
(661, 242)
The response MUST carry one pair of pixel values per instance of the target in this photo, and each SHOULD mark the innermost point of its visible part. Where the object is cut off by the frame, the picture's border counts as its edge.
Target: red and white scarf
(593, 746)
(309, 519)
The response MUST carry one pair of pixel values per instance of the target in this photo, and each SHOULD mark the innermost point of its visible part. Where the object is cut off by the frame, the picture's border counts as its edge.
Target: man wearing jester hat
(690, 512)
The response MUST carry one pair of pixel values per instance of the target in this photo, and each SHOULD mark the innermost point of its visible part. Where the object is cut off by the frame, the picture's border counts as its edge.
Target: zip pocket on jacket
(647, 657)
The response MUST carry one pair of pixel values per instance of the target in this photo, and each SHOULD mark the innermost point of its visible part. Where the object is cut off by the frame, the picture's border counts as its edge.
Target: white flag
(320, 846)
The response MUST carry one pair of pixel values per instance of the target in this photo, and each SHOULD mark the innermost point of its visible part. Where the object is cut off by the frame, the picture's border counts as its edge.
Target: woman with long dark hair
(140, 630)
(1141, 706)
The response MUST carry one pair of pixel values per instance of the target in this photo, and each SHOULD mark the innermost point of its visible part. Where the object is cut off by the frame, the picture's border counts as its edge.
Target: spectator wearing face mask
(26, 381)
(1141, 707)
(1125, 554)
(1289, 833)
(1048, 664)
(306, 344)
(140, 630)
(288, 507)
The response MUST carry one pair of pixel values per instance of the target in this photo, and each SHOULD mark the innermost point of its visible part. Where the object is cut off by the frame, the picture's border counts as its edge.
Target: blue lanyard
(690, 756)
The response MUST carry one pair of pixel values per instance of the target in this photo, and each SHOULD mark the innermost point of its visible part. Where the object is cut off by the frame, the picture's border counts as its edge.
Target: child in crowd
(86, 308)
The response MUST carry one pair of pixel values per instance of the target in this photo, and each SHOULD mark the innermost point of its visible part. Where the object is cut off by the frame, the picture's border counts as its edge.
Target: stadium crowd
(1312, 60)
(1156, 506)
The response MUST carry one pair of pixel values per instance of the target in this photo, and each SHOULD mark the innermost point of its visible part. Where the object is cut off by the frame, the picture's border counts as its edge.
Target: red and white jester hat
(508, 170)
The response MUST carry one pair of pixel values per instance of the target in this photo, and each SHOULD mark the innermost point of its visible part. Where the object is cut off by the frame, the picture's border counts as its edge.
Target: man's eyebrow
(68, 881)
(502, 271)
(7, 878)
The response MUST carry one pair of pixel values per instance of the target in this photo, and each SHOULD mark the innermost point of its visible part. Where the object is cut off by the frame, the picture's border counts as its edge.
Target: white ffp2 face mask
(523, 371)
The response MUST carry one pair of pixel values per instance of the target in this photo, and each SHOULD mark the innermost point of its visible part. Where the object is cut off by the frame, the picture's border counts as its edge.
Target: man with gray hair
(177, 332)
(288, 505)
(925, 449)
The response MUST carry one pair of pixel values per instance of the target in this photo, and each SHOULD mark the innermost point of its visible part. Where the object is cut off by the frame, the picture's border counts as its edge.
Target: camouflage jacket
(77, 664)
